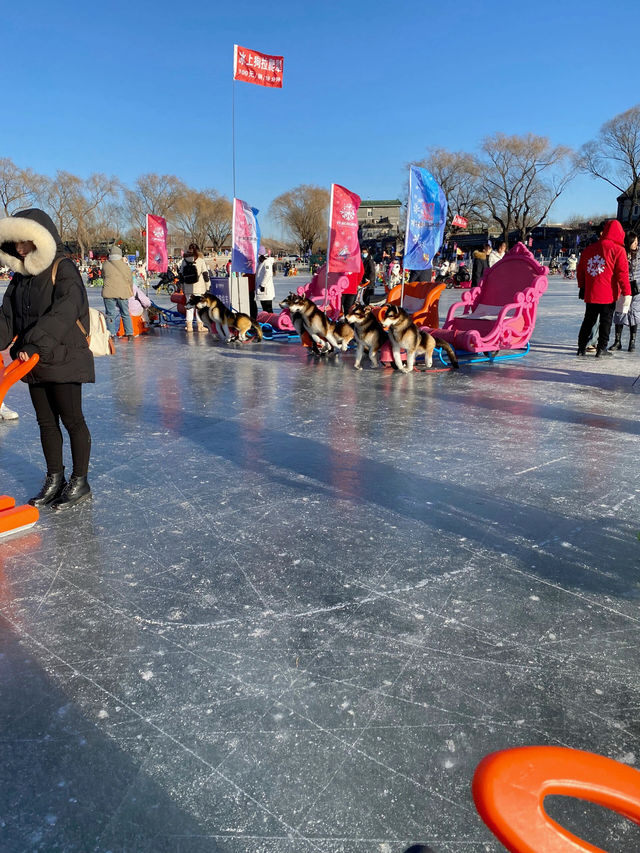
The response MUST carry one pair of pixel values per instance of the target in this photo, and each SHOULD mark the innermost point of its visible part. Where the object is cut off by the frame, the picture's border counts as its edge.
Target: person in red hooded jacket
(603, 276)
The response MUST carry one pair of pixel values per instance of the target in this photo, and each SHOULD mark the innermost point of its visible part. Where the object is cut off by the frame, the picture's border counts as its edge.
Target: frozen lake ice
(305, 601)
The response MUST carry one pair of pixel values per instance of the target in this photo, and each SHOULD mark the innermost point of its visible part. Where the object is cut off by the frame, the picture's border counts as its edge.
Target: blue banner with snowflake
(426, 219)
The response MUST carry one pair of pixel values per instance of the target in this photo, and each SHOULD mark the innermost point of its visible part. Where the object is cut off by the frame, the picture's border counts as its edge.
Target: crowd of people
(45, 312)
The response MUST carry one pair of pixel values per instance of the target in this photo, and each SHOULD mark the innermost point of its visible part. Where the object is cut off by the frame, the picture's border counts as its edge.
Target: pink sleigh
(500, 313)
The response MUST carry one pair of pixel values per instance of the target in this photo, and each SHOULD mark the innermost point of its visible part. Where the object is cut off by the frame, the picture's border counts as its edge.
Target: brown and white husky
(217, 317)
(405, 335)
(307, 317)
(369, 334)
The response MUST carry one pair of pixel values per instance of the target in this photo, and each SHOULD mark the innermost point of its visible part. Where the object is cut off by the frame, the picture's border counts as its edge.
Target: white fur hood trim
(15, 229)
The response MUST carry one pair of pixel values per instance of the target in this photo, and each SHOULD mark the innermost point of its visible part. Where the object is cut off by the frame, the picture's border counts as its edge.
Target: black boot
(632, 338)
(77, 490)
(601, 352)
(617, 344)
(52, 488)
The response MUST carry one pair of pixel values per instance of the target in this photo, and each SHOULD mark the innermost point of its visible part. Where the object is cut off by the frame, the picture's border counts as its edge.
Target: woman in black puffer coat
(42, 317)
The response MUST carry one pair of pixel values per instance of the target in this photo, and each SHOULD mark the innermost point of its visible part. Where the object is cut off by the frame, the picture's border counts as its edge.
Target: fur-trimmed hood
(34, 225)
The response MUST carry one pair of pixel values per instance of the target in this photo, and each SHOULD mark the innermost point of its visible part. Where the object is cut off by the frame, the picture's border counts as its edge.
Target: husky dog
(344, 334)
(369, 334)
(404, 334)
(307, 317)
(217, 317)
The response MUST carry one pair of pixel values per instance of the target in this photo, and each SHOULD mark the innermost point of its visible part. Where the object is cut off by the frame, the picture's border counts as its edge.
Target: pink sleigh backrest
(316, 286)
(517, 271)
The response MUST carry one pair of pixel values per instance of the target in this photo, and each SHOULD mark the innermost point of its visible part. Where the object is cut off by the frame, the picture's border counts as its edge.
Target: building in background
(379, 227)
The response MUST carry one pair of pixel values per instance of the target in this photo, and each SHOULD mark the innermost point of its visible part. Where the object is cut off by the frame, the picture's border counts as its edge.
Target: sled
(15, 519)
(509, 788)
(499, 315)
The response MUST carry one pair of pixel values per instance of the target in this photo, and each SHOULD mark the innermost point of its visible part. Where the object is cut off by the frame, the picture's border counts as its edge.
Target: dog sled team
(360, 326)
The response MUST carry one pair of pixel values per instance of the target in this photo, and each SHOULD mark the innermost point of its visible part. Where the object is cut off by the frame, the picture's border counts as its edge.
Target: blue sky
(127, 88)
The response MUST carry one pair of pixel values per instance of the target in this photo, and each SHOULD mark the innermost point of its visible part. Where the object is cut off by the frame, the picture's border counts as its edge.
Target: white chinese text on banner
(344, 248)
(259, 68)
(157, 256)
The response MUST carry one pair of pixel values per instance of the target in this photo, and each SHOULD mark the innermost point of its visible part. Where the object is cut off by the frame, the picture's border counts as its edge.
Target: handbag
(98, 338)
(635, 290)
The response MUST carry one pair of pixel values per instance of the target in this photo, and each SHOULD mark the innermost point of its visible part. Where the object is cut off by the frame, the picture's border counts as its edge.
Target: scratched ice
(305, 601)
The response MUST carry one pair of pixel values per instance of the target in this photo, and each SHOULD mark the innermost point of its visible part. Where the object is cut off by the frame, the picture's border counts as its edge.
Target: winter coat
(118, 280)
(369, 273)
(138, 302)
(603, 270)
(632, 318)
(265, 288)
(494, 257)
(480, 264)
(41, 315)
(200, 286)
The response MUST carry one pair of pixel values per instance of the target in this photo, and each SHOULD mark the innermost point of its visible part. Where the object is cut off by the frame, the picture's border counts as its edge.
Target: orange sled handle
(509, 788)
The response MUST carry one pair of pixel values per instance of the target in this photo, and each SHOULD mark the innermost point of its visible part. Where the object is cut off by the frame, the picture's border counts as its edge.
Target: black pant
(62, 402)
(253, 307)
(348, 299)
(593, 310)
(267, 305)
(367, 294)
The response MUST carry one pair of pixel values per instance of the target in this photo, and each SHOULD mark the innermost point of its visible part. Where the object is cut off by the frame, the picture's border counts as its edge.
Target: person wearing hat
(117, 291)
(44, 312)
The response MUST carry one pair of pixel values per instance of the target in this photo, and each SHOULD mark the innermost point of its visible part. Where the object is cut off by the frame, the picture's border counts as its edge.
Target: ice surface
(306, 600)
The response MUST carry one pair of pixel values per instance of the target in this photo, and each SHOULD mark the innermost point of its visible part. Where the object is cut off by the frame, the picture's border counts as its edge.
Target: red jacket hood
(613, 231)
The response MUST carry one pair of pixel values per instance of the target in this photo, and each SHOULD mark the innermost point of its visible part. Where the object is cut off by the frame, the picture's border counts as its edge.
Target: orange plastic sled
(509, 788)
(14, 372)
(15, 519)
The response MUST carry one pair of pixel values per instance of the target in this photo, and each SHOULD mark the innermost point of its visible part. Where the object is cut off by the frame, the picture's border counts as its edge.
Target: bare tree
(459, 175)
(205, 217)
(303, 213)
(76, 205)
(217, 215)
(59, 196)
(157, 194)
(522, 176)
(18, 187)
(614, 156)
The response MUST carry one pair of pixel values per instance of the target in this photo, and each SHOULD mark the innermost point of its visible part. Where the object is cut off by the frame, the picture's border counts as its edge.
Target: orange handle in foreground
(509, 788)
(14, 372)
(17, 518)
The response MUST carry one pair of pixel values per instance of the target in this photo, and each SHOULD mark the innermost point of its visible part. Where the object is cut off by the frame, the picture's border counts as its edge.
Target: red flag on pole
(157, 257)
(459, 221)
(259, 68)
(344, 248)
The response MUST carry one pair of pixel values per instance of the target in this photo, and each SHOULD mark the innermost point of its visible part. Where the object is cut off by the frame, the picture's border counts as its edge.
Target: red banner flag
(344, 248)
(157, 257)
(254, 67)
(459, 221)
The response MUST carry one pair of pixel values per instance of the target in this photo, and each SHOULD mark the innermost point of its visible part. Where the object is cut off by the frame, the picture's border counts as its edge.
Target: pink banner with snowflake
(344, 248)
(157, 256)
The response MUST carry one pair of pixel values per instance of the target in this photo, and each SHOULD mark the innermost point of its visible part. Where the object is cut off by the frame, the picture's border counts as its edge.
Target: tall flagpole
(406, 233)
(146, 231)
(233, 116)
(326, 277)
